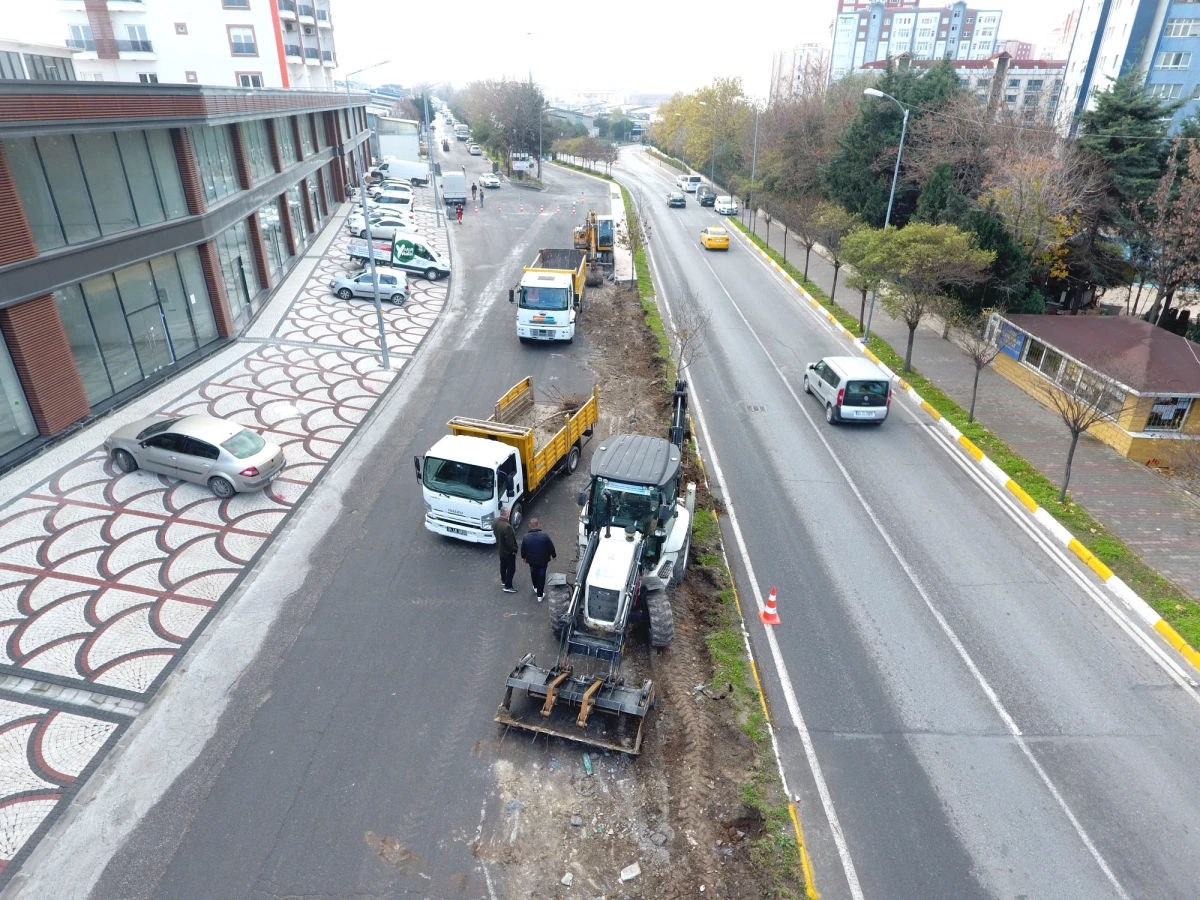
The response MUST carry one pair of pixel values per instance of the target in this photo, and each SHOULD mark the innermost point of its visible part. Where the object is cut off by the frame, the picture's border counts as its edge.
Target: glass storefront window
(258, 149)
(214, 158)
(166, 170)
(147, 202)
(26, 168)
(198, 300)
(287, 140)
(106, 180)
(16, 421)
(306, 135)
(112, 332)
(296, 211)
(84, 346)
(237, 270)
(60, 162)
(273, 238)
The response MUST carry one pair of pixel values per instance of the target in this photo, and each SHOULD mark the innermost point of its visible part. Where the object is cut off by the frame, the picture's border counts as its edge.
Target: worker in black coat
(537, 550)
(506, 544)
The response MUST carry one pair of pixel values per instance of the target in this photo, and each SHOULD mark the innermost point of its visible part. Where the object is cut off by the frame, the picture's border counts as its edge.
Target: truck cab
(635, 485)
(546, 307)
(466, 481)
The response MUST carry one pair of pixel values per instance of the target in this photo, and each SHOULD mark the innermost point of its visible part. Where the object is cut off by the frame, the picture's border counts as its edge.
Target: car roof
(855, 367)
(206, 428)
(636, 459)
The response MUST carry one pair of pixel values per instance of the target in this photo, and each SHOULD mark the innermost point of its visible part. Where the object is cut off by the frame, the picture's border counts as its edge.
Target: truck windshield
(459, 479)
(544, 298)
(618, 504)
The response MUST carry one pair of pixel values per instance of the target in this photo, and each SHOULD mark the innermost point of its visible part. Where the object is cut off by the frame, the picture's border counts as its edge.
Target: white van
(416, 172)
(689, 183)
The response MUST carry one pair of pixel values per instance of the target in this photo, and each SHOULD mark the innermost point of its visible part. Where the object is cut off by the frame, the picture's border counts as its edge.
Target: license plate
(457, 531)
(864, 413)
(271, 478)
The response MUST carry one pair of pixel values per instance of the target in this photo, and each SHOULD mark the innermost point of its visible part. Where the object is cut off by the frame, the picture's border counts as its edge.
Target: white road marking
(961, 650)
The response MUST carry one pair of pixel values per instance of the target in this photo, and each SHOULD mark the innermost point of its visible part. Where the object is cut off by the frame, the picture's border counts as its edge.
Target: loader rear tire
(560, 602)
(662, 619)
(681, 564)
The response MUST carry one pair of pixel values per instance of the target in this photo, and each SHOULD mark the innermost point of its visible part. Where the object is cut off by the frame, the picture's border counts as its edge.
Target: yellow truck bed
(540, 435)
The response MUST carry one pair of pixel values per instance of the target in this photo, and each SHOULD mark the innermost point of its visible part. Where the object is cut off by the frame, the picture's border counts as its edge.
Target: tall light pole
(887, 220)
(387, 363)
(712, 171)
(437, 207)
(753, 163)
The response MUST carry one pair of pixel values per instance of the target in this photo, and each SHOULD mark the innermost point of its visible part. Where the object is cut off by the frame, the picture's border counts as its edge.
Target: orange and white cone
(572, 209)
(477, 210)
(557, 211)
(770, 615)
(522, 209)
(541, 208)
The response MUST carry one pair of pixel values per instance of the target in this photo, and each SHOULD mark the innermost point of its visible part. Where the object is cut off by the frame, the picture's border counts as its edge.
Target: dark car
(705, 195)
(675, 198)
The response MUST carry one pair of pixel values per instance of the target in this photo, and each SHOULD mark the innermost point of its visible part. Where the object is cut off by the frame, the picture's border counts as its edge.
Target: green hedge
(669, 160)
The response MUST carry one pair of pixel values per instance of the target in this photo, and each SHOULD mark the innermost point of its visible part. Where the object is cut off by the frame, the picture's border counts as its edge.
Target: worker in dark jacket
(537, 550)
(506, 543)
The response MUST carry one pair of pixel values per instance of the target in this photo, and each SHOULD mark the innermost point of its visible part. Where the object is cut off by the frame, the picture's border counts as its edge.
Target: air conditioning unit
(308, 29)
(289, 26)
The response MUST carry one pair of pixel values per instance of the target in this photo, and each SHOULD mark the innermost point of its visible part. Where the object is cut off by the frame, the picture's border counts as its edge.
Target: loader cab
(605, 233)
(634, 483)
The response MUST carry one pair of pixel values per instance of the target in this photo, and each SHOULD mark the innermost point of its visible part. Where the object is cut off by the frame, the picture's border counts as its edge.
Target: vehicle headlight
(428, 507)
(486, 521)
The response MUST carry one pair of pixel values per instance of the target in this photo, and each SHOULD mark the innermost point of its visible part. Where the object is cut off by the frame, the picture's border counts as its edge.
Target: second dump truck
(501, 462)
(550, 296)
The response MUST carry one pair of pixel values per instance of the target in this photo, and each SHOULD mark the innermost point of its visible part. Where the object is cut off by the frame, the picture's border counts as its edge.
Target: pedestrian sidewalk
(1158, 521)
(108, 578)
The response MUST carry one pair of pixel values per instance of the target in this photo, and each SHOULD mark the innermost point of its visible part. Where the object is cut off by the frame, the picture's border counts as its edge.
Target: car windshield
(154, 429)
(544, 298)
(677, 196)
(459, 479)
(618, 504)
(245, 443)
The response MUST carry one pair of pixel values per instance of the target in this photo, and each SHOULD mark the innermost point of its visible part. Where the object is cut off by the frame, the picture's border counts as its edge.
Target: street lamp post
(387, 363)
(887, 220)
(753, 163)
(437, 207)
(712, 170)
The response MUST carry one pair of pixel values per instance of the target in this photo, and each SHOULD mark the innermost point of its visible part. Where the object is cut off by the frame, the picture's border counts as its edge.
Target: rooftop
(1141, 356)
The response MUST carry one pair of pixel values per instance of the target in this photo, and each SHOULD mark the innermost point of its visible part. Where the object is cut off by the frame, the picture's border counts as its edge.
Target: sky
(629, 46)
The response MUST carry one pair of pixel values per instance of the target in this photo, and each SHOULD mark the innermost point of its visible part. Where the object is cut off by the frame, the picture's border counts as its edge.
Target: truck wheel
(515, 515)
(560, 602)
(680, 569)
(573, 459)
(662, 620)
(431, 274)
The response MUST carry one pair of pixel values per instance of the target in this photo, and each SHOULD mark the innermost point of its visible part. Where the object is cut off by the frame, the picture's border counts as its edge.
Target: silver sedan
(222, 455)
(392, 286)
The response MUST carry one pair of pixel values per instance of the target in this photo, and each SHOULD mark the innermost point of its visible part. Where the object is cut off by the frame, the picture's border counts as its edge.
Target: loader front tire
(560, 602)
(662, 619)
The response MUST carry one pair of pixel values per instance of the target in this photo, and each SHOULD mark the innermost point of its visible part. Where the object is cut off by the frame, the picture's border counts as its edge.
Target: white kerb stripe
(994, 472)
(1051, 524)
(1135, 603)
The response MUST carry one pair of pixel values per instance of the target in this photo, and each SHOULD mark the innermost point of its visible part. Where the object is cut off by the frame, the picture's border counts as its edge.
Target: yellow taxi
(715, 237)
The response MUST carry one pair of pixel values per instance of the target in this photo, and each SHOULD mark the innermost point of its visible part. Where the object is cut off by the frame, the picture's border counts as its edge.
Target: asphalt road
(923, 631)
(355, 757)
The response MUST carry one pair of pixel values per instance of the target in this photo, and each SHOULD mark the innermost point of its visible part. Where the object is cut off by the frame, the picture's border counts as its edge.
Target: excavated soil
(676, 811)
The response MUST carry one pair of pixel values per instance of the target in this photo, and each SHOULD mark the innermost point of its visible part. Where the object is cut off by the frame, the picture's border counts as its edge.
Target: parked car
(851, 388)
(474, 150)
(354, 222)
(389, 185)
(385, 228)
(488, 180)
(393, 286)
(225, 456)
(676, 198)
(714, 237)
(726, 206)
(705, 195)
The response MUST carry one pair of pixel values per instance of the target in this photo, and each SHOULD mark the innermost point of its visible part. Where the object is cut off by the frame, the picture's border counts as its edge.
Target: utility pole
(753, 164)
(873, 92)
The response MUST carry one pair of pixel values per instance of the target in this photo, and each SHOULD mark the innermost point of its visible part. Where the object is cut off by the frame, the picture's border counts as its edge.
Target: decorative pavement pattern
(106, 578)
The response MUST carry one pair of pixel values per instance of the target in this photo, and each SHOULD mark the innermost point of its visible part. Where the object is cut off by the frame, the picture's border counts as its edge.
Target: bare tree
(690, 324)
(833, 224)
(1083, 397)
(982, 348)
(804, 223)
(1171, 228)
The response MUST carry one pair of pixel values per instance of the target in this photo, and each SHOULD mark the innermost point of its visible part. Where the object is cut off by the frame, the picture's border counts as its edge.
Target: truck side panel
(559, 446)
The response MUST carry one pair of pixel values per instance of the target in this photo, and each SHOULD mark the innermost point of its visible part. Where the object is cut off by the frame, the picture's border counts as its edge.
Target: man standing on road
(506, 543)
(474, 190)
(537, 550)
(458, 213)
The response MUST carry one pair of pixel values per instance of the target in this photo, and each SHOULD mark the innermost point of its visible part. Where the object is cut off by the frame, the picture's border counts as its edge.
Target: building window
(235, 4)
(307, 138)
(237, 270)
(16, 421)
(214, 157)
(181, 27)
(1174, 59)
(139, 40)
(273, 237)
(241, 40)
(1033, 85)
(107, 181)
(1010, 98)
(147, 78)
(10, 66)
(258, 149)
(287, 140)
(296, 212)
(1014, 83)
(190, 76)
(1164, 91)
(1167, 414)
(250, 79)
(48, 68)
(1182, 28)
(1044, 359)
(81, 38)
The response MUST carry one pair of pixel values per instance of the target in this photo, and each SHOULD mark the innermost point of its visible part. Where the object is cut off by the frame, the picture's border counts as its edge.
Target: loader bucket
(593, 710)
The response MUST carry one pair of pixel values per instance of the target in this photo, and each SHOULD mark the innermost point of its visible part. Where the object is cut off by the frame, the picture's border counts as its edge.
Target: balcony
(135, 46)
(293, 50)
(323, 18)
(287, 8)
(76, 44)
(307, 12)
(327, 56)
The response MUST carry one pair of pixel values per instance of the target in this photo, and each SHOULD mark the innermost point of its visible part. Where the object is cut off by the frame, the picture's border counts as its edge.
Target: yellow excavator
(596, 236)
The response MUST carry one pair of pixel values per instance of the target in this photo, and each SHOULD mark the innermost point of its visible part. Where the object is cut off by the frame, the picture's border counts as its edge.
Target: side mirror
(576, 304)
(664, 513)
(582, 498)
(511, 293)
(417, 466)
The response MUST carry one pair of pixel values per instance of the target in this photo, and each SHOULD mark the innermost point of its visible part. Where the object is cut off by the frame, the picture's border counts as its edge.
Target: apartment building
(142, 226)
(866, 32)
(1018, 49)
(797, 72)
(1026, 89)
(242, 43)
(1159, 40)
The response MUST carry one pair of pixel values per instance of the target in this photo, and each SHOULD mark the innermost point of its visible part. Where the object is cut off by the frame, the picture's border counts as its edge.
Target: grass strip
(669, 160)
(1168, 599)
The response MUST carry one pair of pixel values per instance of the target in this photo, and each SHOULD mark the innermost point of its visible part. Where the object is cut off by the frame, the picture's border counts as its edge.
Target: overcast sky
(606, 45)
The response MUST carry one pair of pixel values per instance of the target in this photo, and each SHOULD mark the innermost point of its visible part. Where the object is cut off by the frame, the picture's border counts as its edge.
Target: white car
(354, 222)
(489, 180)
(726, 206)
(387, 227)
(474, 150)
(389, 187)
(393, 286)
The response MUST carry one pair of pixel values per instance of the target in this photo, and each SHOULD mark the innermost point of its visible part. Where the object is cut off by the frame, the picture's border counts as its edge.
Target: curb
(1050, 525)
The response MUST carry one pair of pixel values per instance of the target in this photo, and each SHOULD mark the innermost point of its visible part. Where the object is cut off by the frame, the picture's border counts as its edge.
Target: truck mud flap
(589, 709)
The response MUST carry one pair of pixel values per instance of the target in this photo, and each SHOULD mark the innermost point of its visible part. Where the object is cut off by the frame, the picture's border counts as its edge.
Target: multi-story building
(1018, 49)
(1159, 40)
(143, 226)
(1062, 36)
(245, 43)
(798, 72)
(1027, 89)
(866, 31)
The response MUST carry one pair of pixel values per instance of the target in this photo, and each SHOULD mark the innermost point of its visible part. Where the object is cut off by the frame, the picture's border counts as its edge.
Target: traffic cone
(541, 208)
(522, 209)
(477, 210)
(557, 211)
(770, 615)
(572, 209)
(499, 208)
